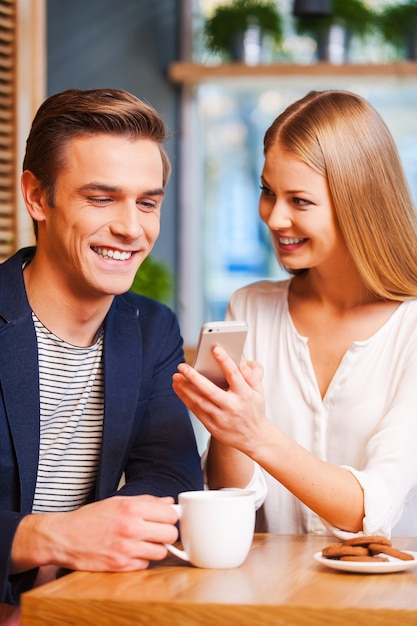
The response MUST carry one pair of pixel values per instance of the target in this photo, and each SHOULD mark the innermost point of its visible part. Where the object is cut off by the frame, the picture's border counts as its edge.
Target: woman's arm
(227, 466)
(236, 420)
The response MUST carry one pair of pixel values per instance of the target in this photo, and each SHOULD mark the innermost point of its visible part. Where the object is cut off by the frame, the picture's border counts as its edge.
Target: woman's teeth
(287, 241)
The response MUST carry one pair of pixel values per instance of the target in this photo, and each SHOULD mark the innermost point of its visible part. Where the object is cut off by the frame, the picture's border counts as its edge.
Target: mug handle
(181, 554)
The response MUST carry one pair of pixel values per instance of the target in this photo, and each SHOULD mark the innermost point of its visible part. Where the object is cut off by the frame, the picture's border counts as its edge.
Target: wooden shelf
(188, 73)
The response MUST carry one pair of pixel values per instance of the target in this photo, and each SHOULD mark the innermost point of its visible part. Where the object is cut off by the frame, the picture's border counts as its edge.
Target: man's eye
(147, 206)
(99, 200)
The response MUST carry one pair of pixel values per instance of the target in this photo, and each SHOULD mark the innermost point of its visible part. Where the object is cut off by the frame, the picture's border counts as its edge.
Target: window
(22, 88)
(225, 111)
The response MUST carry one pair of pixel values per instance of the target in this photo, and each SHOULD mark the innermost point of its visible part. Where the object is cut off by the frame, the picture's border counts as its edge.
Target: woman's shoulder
(263, 289)
(406, 315)
(263, 298)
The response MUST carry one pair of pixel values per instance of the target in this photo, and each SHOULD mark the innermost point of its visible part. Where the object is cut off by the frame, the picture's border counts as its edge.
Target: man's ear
(33, 196)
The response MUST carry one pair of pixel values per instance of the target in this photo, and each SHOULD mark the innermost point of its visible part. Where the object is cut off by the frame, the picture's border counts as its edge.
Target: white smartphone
(231, 336)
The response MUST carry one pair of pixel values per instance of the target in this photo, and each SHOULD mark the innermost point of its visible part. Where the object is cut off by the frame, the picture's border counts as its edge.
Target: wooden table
(280, 583)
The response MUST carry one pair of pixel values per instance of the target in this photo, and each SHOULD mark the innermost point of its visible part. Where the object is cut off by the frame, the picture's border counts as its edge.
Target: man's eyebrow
(159, 191)
(155, 192)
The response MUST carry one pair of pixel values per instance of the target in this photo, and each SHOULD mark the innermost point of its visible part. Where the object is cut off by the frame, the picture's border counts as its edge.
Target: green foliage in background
(155, 280)
(229, 20)
(397, 21)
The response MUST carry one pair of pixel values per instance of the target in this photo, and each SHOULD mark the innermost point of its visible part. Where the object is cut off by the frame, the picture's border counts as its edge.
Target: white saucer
(367, 567)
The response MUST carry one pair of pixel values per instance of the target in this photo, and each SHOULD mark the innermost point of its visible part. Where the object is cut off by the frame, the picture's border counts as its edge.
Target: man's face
(106, 216)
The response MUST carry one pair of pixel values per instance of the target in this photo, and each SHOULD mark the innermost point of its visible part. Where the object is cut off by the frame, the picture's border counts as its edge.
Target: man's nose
(127, 222)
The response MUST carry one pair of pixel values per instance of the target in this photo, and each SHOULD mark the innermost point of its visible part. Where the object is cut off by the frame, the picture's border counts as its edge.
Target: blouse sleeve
(389, 475)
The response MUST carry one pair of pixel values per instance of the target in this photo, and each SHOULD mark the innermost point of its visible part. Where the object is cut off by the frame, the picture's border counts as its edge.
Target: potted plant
(227, 26)
(398, 26)
(154, 279)
(349, 18)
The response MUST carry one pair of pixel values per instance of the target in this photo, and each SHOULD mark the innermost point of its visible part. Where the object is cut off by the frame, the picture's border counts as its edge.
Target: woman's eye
(266, 191)
(301, 202)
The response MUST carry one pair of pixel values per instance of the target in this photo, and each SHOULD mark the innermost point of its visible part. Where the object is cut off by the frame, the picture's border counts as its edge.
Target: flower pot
(252, 46)
(410, 45)
(246, 46)
(333, 45)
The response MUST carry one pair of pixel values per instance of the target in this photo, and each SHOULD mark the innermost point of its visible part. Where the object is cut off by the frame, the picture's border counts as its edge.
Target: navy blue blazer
(147, 432)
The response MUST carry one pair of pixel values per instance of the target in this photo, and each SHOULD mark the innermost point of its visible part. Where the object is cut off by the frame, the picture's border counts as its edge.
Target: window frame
(24, 76)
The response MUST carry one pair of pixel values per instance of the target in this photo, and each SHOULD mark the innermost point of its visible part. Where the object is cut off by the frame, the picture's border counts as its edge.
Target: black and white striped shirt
(71, 420)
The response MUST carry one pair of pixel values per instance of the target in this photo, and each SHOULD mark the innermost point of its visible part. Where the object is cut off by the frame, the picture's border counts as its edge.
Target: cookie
(379, 548)
(363, 558)
(365, 541)
(337, 550)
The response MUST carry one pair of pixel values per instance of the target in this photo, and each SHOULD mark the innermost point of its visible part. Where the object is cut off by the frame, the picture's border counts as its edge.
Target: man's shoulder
(12, 291)
(132, 313)
(141, 306)
(16, 261)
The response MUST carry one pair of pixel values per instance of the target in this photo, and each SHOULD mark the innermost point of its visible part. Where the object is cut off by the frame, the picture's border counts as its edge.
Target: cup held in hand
(216, 527)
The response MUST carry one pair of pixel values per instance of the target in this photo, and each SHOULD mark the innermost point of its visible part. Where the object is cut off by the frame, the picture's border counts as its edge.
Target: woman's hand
(234, 417)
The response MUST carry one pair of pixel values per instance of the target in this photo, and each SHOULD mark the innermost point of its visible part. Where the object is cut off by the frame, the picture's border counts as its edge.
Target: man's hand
(119, 534)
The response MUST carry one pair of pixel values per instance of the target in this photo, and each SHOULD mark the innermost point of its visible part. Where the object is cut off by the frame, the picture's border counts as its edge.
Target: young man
(85, 365)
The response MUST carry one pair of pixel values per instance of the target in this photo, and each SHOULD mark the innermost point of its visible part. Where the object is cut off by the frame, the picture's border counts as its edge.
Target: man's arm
(116, 534)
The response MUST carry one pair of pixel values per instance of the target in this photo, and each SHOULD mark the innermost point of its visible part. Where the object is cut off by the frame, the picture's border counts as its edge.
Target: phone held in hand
(231, 336)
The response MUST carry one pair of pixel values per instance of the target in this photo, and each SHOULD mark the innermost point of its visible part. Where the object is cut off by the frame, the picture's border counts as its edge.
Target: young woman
(320, 418)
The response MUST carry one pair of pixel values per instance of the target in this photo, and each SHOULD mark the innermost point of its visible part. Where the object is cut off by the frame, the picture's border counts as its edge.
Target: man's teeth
(113, 254)
(286, 241)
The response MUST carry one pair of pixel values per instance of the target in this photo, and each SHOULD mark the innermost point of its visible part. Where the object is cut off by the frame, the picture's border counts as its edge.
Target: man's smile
(109, 253)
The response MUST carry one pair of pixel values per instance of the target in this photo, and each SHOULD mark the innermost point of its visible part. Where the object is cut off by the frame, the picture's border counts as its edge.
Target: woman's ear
(33, 196)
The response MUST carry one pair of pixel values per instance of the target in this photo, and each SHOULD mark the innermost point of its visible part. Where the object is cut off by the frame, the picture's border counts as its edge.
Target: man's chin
(116, 287)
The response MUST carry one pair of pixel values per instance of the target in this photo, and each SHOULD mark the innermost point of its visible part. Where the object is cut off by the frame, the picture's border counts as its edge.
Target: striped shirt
(71, 420)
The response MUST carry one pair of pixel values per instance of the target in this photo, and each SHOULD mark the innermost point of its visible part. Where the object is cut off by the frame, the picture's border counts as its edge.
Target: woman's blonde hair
(341, 136)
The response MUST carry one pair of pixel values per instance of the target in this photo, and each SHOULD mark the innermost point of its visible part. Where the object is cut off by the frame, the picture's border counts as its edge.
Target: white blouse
(367, 421)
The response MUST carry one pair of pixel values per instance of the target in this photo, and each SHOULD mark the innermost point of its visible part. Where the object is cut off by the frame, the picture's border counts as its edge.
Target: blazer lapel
(20, 387)
(122, 373)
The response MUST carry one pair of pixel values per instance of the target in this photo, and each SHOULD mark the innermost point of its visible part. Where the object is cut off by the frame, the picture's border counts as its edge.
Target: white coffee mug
(216, 527)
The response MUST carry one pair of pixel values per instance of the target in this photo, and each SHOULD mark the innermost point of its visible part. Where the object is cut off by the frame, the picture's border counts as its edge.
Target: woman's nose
(278, 216)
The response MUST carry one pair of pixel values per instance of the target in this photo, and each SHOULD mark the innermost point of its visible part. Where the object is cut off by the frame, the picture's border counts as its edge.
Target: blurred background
(217, 103)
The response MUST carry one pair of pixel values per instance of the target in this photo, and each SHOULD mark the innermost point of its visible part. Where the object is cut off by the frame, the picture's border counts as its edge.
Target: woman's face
(295, 204)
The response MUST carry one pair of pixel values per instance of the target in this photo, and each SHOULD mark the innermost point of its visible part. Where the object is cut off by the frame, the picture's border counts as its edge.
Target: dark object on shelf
(333, 33)
(312, 8)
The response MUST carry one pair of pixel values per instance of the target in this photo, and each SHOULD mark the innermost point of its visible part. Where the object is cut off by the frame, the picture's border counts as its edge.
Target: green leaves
(230, 20)
(155, 280)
